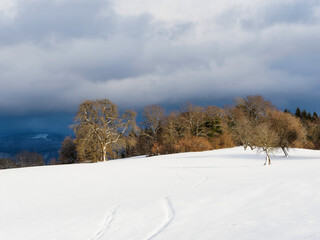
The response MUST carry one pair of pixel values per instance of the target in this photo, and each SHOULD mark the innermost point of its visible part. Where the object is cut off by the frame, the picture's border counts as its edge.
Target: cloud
(282, 13)
(54, 54)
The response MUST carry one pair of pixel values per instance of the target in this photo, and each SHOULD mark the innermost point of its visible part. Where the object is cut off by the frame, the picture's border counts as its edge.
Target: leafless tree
(7, 163)
(153, 116)
(241, 127)
(99, 127)
(266, 140)
(171, 132)
(255, 107)
(288, 128)
(245, 117)
(193, 119)
(29, 159)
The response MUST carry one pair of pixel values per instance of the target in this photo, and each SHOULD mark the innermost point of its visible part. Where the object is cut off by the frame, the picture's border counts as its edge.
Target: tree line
(102, 133)
(22, 159)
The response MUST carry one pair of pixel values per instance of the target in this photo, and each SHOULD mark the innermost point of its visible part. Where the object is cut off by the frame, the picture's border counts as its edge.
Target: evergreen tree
(68, 151)
(287, 111)
(309, 117)
(298, 113)
(315, 116)
(304, 115)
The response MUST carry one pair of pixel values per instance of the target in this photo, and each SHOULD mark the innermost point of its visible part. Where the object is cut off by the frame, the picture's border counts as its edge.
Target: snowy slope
(221, 194)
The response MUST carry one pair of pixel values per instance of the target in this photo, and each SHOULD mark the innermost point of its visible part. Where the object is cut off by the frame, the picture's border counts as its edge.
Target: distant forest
(102, 133)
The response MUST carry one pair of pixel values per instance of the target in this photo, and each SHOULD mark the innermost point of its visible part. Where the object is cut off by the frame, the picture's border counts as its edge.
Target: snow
(40, 136)
(220, 194)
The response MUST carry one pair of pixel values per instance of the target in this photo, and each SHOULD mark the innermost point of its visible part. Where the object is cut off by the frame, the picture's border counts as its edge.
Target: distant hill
(47, 144)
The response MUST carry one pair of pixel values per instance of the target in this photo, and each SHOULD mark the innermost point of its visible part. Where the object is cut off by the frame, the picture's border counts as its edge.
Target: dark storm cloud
(36, 122)
(54, 54)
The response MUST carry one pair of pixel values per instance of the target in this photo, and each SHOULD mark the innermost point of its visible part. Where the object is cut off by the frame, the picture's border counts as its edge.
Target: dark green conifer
(315, 116)
(304, 115)
(298, 113)
(309, 117)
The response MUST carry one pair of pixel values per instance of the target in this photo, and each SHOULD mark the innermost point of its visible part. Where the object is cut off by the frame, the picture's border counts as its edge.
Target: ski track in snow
(170, 215)
(180, 178)
(167, 206)
(204, 178)
(107, 223)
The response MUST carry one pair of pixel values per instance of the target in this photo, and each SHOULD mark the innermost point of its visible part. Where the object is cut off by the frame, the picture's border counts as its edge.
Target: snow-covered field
(221, 194)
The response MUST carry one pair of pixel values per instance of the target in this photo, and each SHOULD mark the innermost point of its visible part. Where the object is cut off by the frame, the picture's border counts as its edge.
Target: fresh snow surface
(220, 194)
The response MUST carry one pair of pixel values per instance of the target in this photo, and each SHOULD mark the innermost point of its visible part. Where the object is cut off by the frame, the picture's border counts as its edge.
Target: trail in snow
(170, 215)
(204, 178)
(168, 208)
(106, 225)
(182, 180)
(168, 205)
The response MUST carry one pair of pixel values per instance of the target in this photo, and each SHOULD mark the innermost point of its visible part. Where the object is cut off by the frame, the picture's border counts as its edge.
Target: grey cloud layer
(53, 54)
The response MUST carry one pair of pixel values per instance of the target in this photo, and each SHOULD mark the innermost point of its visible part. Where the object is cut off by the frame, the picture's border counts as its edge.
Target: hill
(47, 144)
(220, 194)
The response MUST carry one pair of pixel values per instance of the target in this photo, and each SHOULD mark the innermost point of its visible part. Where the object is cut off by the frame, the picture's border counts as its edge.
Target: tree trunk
(104, 153)
(268, 159)
(285, 151)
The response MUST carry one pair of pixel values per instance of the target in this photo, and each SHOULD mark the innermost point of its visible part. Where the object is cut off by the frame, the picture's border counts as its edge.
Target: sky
(56, 53)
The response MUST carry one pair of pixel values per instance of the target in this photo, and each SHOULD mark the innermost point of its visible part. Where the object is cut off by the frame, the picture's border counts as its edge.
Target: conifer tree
(304, 115)
(315, 116)
(309, 116)
(298, 112)
(68, 151)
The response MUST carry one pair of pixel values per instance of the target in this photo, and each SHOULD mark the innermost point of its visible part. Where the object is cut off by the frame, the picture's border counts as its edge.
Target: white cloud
(8, 10)
(143, 52)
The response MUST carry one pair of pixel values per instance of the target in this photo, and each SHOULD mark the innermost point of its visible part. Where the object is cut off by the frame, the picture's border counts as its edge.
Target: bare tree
(245, 117)
(288, 128)
(241, 127)
(255, 107)
(171, 132)
(266, 140)
(193, 120)
(7, 163)
(29, 159)
(153, 116)
(99, 127)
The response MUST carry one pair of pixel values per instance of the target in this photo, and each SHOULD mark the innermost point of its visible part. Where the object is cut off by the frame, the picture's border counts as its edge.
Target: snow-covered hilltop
(220, 194)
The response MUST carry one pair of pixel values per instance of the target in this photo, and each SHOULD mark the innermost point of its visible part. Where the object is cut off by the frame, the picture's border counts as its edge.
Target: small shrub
(223, 141)
(157, 149)
(192, 144)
